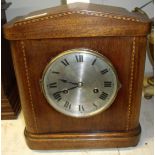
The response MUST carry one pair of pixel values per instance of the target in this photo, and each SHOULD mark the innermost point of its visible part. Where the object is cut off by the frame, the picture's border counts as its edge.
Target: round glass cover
(80, 83)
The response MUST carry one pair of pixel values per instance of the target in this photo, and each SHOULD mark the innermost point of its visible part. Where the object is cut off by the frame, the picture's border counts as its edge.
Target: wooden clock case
(114, 32)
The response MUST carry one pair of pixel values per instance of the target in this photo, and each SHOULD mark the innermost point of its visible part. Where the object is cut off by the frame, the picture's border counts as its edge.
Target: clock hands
(65, 91)
(65, 81)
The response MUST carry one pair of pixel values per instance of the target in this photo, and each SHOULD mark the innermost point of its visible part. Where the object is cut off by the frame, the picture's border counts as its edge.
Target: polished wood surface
(120, 36)
(70, 21)
(83, 140)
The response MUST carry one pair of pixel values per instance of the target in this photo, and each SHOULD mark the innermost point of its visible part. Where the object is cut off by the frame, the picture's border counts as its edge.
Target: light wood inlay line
(131, 85)
(28, 84)
(82, 12)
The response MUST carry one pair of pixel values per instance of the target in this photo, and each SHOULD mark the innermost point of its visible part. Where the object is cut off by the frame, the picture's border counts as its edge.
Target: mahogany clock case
(115, 33)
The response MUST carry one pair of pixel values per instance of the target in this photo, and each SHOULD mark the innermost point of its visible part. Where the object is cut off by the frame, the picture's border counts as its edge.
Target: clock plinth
(116, 34)
(66, 141)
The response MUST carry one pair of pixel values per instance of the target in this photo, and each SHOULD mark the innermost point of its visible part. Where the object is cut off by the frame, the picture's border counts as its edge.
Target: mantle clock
(79, 69)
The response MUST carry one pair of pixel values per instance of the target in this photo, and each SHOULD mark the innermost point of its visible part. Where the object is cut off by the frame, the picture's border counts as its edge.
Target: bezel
(87, 51)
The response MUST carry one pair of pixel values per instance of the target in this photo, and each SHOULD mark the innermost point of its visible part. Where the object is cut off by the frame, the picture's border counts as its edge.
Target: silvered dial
(80, 83)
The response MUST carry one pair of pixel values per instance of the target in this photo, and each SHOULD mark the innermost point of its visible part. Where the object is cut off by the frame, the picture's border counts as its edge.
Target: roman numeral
(95, 105)
(65, 62)
(67, 105)
(79, 58)
(104, 71)
(103, 96)
(55, 72)
(57, 96)
(52, 85)
(107, 84)
(94, 61)
(81, 108)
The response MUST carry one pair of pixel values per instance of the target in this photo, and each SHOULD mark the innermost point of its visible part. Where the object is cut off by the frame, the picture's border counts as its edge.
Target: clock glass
(80, 83)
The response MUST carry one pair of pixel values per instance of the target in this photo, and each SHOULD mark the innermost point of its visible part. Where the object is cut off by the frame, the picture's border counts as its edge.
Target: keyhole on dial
(95, 90)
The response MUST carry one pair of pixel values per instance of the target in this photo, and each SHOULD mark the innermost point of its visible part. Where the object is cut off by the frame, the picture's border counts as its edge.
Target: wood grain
(119, 24)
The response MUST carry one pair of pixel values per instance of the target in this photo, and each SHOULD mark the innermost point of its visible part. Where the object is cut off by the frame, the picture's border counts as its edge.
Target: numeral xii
(79, 58)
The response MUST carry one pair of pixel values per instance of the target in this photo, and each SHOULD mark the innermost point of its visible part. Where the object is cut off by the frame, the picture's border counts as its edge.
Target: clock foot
(64, 141)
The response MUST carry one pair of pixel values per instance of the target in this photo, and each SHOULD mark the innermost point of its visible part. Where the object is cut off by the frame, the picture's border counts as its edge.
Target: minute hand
(65, 81)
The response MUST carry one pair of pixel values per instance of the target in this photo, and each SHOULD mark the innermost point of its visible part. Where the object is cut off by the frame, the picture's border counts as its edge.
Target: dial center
(80, 84)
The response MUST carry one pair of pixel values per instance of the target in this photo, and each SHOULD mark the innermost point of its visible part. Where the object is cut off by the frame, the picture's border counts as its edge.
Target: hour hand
(65, 81)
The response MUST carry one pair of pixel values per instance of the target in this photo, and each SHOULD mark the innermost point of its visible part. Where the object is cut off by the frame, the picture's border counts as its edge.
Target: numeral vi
(107, 84)
(81, 108)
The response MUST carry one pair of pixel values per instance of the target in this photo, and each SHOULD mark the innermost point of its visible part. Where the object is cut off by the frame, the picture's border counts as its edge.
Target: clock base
(64, 141)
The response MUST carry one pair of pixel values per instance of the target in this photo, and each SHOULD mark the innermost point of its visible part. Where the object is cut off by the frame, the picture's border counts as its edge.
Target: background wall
(22, 7)
(128, 4)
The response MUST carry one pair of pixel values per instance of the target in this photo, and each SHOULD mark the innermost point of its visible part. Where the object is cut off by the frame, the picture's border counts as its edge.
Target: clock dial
(80, 83)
